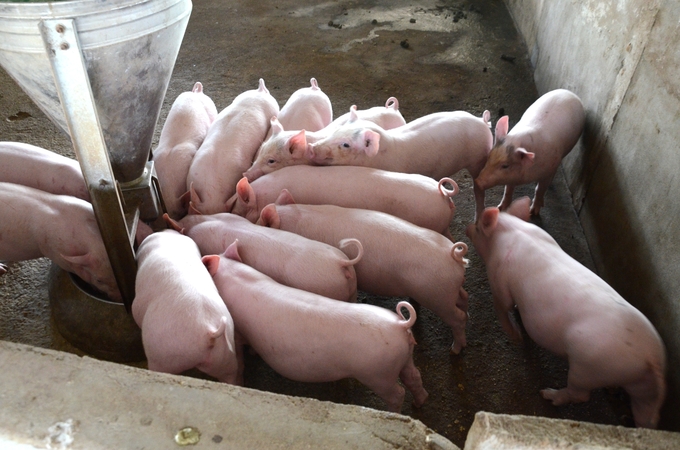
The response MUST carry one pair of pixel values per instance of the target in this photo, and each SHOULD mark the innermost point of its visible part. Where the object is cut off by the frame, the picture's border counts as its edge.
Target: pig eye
(345, 145)
(271, 161)
(505, 166)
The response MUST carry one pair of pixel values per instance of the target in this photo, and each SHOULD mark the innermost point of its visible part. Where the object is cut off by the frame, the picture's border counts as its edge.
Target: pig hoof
(456, 348)
(419, 401)
(556, 396)
(548, 393)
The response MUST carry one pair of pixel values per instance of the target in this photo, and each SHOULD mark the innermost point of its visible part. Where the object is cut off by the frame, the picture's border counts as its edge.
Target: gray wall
(623, 60)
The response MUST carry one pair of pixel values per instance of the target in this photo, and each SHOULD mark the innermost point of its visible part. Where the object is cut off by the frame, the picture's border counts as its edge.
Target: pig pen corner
(432, 56)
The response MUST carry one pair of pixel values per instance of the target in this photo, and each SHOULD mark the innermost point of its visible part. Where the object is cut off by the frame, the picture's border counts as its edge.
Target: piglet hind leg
(456, 318)
(647, 395)
(392, 392)
(459, 340)
(410, 377)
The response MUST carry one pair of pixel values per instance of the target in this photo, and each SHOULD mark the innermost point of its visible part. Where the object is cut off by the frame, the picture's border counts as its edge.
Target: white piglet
(415, 198)
(310, 338)
(570, 311)
(533, 149)
(307, 109)
(184, 322)
(228, 149)
(189, 119)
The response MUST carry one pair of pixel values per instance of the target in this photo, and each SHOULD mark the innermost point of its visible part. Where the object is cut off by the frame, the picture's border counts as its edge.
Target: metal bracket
(73, 86)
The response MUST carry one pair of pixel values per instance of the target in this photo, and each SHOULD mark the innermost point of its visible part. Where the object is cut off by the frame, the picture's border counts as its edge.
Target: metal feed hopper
(99, 69)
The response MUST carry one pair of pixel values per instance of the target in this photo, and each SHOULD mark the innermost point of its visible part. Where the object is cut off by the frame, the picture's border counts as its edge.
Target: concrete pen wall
(622, 59)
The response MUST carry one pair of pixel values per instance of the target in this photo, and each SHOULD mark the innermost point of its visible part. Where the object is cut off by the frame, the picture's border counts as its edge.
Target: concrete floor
(432, 56)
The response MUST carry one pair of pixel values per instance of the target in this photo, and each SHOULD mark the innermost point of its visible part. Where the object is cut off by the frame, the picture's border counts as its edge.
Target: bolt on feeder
(100, 71)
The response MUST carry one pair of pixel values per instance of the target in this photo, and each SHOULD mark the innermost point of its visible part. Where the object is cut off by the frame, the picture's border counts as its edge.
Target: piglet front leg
(507, 197)
(504, 307)
(541, 188)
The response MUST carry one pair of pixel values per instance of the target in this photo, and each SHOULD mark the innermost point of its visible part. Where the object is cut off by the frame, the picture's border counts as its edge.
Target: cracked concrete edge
(503, 431)
(47, 395)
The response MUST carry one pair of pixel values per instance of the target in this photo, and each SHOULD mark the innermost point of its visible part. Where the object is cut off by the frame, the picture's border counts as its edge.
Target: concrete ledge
(90, 404)
(500, 431)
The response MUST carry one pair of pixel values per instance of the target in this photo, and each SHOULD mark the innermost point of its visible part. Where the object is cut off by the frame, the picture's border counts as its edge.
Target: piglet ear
(261, 87)
(486, 117)
(524, 156)
(297, 145)
(285, 198)
(173, 224)
(309, 152)
(371, 142)
(269, 217)
(184, 200)
(489, 220)
(245, 191)
(232, 251)
(520, 208)
(212, 263)
(501, 128)
(353, 116)
(195, 202)
(193, 210)
(275, 125)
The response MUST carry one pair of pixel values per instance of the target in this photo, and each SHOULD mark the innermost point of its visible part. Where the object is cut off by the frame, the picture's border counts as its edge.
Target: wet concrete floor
(433, 56)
